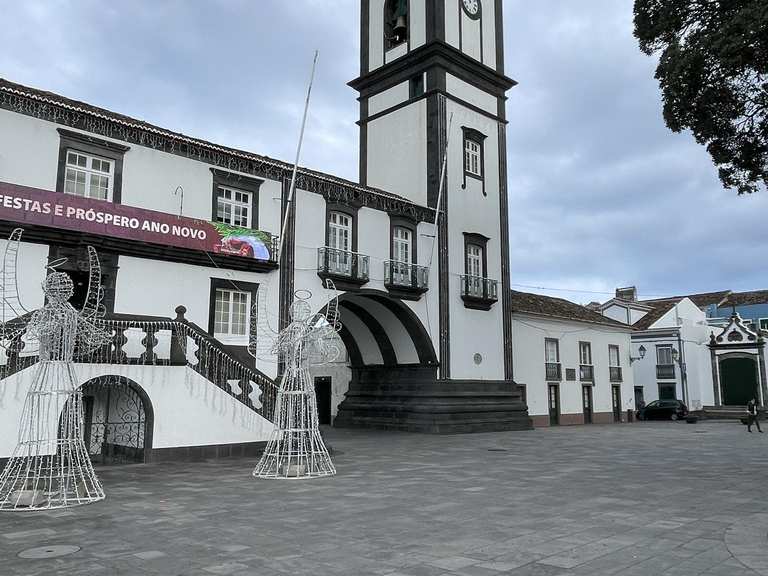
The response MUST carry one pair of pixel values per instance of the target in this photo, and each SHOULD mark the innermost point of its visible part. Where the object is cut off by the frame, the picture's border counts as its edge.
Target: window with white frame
(340, 231)
(402, 239)
(88, 176)
(613, 356)
(763, 323)
(551, 351)
(664, 355)
(231, 313)
(474, 260)
(585, 353)
(473, 157)
(233, 206)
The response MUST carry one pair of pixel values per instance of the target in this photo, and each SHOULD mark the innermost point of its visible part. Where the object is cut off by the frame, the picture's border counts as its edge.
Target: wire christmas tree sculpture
(295, 448)
(50, 467)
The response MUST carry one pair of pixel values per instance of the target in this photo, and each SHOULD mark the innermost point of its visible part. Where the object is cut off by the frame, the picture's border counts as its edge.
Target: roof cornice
(81, 116)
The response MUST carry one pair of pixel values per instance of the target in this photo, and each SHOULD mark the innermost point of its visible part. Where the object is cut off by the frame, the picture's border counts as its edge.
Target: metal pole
(298, 154)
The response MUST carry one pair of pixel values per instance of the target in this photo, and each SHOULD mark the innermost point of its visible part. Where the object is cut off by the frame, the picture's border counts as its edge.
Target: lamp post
(642, 351)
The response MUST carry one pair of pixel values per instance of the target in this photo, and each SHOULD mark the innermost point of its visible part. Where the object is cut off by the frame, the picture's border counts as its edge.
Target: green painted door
(738, 380)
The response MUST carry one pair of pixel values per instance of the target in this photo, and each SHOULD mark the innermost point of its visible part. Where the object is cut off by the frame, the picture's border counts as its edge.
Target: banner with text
(27, 205)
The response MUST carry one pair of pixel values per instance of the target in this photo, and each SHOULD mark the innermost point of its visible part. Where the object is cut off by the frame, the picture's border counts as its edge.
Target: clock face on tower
(472, 8)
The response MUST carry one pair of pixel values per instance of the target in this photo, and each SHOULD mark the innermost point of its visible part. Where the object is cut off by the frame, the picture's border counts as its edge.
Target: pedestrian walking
(752, 416)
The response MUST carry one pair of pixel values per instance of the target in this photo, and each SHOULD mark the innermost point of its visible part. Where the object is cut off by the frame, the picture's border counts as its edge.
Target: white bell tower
(425, 63)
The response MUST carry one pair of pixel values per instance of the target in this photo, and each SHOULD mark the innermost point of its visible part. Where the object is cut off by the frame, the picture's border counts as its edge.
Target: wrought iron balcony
(615, 374)
(586, 373)
(665, 371)
(478, 293)
(554, 371)
(405, 279)
(343, 266)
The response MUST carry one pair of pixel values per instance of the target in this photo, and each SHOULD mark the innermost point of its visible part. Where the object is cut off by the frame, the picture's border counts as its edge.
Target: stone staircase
(410, 398)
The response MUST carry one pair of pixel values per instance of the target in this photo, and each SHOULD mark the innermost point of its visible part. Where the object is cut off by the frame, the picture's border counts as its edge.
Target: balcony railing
(404, 275)
(665, 371)
(615, 374)
(554, 371)
(343, 264)
(586, 373)
(478, 292)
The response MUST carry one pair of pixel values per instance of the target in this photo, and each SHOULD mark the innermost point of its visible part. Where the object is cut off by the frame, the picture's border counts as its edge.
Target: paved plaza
(639, 499)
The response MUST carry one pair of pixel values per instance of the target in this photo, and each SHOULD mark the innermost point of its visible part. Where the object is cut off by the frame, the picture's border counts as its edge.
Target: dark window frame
(401, 222)
(556, 341)
(347, 209)
(79, 142)
(416, 86)
(618, 355)
(591, 360)
(226, 284)
(472, 238)
(239, 182)
(478, 138)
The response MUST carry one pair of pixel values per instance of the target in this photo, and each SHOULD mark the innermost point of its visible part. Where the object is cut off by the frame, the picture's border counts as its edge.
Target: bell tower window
(395, 23)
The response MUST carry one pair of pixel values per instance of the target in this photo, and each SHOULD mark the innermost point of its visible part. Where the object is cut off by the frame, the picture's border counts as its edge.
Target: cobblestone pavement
(639, 499)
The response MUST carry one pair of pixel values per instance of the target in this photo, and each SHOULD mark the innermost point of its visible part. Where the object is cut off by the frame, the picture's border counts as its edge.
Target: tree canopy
(713, 74)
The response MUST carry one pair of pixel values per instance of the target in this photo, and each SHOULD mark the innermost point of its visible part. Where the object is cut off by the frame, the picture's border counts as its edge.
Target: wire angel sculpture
(295, 448)
(50, 467)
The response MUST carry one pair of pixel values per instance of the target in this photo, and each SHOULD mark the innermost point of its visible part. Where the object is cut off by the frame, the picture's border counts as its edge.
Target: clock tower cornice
(435, 54)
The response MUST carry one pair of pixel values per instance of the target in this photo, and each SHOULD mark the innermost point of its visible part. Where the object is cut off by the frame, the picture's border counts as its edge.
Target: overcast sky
(601, 193)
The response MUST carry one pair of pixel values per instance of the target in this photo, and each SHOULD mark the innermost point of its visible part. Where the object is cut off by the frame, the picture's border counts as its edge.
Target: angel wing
(12, 306)
(89, 335)
(92, 307)
(11, 324)
(261, 336)
(325, 339)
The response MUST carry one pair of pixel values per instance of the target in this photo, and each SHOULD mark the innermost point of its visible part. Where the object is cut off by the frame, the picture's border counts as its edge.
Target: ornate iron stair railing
(136, 340)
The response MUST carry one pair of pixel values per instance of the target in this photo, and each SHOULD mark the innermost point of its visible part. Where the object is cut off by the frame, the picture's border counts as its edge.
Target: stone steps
(412, 399)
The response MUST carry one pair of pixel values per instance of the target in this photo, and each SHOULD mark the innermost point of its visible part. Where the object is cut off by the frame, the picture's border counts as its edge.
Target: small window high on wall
(395, 23)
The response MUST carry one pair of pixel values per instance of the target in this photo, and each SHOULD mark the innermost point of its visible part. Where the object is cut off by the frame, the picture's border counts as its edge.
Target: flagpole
(296, 161)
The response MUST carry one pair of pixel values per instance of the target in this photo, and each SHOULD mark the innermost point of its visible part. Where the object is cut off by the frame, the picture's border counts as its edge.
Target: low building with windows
(187, 233)
(572, 363)
(686, 348)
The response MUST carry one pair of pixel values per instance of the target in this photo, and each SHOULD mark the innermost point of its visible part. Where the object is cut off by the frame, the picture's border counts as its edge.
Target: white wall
(388, 98)
(397, 152)
(156, 288)
(529, 333)
(188, 410)
(690, 322)
(474, 331)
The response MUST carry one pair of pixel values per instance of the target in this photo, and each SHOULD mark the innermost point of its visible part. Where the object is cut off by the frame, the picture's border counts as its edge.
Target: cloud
(601, 193)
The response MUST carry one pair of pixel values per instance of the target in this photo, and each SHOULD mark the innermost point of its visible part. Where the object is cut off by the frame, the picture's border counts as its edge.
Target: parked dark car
(663, 410)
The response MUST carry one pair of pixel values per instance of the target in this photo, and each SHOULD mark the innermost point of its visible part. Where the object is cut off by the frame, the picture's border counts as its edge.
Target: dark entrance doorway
(118, 421)
(639, 397)
(80, 281)
(554, 405)
(616, 402)
(738, 379)
(586, 396)
(323, 395)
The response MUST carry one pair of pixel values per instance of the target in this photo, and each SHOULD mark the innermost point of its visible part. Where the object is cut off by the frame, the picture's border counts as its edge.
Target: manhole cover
(48, 552)
(497, 450)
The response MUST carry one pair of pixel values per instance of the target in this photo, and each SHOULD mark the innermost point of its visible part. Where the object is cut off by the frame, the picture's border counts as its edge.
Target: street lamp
(641, 350)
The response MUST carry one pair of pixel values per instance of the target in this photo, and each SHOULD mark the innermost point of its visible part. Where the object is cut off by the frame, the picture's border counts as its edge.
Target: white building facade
(572, 363)
(186, 231)
(680, 353)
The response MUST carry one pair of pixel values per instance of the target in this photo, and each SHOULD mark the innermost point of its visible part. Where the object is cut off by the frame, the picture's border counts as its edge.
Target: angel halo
(50, 467)
(295, 448)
